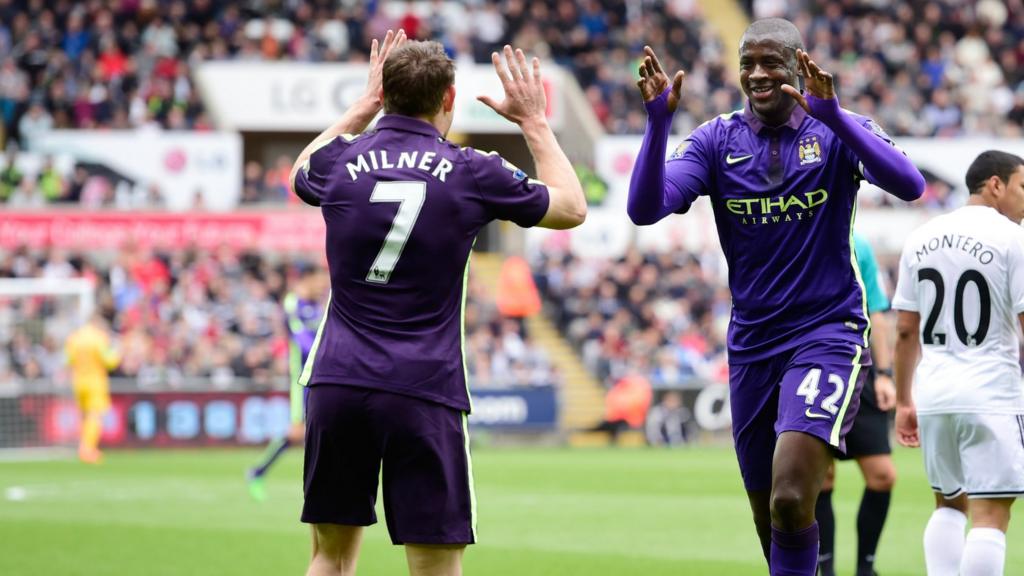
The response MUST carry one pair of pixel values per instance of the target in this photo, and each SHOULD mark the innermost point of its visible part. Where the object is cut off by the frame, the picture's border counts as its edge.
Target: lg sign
(298, 96)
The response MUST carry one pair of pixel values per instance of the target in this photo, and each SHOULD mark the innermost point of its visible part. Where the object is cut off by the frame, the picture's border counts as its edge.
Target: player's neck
(437, 121)
(778, 118)
(979, 200)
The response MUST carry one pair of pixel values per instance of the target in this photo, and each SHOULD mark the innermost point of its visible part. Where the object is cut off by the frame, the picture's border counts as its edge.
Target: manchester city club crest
(809, 150)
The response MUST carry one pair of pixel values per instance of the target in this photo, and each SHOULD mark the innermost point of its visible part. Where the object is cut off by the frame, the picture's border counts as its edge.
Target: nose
(758, 72)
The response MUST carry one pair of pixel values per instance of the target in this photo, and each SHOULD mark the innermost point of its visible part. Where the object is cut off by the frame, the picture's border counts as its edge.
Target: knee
(882, 479)
(790, 507)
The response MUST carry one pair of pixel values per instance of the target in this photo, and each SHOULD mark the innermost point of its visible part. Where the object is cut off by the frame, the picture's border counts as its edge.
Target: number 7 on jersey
(411, 195)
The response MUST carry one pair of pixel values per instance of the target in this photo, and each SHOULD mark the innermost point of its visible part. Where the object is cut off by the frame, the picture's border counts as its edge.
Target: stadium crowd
(663, 315)
(923, 67)
(192, 317)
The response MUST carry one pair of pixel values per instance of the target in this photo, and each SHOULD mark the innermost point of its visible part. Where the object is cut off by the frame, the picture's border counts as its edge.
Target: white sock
(944, 542)
(984, 553)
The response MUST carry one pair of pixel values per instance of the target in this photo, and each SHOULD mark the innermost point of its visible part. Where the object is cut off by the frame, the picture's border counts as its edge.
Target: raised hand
(906, 426)
(378, 54)
(817, 82)
(653, 80)
(525, 99)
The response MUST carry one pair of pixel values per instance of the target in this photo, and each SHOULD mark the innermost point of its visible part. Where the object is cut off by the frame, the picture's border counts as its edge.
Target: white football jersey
(963, 272)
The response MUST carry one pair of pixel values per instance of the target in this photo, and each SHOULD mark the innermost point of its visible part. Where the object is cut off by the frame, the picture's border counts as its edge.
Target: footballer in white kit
(960, 297)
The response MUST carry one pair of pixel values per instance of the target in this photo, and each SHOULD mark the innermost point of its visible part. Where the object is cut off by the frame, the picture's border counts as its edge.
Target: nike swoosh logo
(810, 414)
(730, 160)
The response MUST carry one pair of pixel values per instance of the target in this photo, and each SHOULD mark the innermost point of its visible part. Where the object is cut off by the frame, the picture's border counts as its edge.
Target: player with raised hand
(386, 375)
(782, 175)
(963, 272)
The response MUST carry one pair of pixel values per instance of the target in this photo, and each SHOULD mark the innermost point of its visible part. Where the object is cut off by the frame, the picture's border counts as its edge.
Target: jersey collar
(407, 124)
(796, 117)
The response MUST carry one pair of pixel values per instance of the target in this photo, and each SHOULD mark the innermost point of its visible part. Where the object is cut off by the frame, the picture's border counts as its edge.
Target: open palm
(653, 80)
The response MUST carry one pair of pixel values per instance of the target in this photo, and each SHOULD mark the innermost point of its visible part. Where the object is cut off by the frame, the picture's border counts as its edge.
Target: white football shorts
(980, 454)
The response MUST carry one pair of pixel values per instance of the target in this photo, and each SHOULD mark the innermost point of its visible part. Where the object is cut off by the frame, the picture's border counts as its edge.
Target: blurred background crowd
(187, 318)
(941, 68)
(922, 67)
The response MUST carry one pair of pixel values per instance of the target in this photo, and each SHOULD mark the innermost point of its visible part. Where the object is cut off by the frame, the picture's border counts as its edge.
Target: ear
(380, 94)
(449, 99)
(995, 185)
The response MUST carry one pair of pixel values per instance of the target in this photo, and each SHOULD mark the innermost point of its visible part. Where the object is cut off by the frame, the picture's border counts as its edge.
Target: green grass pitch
(542, 512)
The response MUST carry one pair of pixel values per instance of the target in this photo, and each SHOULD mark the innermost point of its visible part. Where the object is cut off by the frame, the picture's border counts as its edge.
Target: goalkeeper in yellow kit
(90, 357)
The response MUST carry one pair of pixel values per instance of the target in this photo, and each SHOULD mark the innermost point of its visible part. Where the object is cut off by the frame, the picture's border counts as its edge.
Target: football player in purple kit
(386, 376)
(782, 175)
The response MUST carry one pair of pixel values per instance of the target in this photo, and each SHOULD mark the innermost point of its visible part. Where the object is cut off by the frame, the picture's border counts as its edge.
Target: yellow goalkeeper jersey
(90, 357)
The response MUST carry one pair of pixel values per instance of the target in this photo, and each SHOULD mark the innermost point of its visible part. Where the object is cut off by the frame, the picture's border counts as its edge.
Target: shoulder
(868, 123)
(485, 162)
(711, 132)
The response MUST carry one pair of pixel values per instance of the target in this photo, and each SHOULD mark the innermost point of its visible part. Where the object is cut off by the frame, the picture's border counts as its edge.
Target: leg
(879, 478)
(335, 550)
(985, 547)
(825, 516)
(760, 505)
(798, 471)
(944, 536)
(753, 405)
(92, 429)
(433, 560)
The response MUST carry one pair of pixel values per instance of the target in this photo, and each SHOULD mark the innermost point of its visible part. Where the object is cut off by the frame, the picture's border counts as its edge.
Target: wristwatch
(884, 372)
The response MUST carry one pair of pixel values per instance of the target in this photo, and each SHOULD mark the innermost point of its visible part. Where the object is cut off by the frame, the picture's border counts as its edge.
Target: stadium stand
(186, 317)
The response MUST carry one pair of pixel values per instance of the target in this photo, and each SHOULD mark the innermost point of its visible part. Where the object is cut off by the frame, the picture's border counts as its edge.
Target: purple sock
(795, 553)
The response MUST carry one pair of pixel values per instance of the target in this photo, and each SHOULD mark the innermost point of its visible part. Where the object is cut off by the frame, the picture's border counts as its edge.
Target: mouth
(763, 92)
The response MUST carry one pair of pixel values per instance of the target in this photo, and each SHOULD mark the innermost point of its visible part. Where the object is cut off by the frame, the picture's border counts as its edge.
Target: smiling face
(765, 65)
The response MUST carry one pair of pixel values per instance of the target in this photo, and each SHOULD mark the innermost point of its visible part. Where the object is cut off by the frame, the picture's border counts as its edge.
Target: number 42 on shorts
(810, 391)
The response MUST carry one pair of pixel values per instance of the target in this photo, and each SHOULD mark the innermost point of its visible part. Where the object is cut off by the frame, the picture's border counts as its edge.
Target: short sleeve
(506, 190)
(877, 300)
(1015, 272)
(311, 180)
(906, 297)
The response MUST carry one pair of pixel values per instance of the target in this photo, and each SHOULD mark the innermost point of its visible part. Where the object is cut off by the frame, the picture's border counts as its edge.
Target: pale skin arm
(881, 355)
(524, 105)
(362, 112)
(908, 350)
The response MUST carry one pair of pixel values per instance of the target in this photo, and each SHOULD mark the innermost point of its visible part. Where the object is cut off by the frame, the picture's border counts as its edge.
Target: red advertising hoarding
(285, 230)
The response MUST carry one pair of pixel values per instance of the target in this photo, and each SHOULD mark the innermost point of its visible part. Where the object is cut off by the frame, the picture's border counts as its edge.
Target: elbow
(915, 186)
(639, 218)
(910, 187)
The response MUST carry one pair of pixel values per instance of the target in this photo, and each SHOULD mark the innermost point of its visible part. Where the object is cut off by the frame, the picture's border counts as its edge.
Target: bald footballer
(782, 176)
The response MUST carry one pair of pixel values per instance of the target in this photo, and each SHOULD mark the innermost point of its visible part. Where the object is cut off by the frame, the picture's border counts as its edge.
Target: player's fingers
(500, 70)
(796, 96)
(524, 70)
(489, 102)
(814, 70)
(677, 83)
(373, 52)
(513, 66)
(536, 69)
(649, 65)
(654, 58)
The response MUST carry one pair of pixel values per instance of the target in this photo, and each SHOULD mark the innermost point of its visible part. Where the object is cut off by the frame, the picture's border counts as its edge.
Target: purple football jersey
(784, 201)
(403, 207)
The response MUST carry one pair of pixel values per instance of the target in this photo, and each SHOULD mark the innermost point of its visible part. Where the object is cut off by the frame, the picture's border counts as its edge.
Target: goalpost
(37, 411)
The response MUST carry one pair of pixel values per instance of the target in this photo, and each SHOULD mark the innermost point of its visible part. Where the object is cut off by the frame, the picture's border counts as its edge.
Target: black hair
(988, 164)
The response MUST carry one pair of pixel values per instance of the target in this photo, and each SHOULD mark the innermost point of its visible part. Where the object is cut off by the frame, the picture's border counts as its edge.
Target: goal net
(37, 410)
